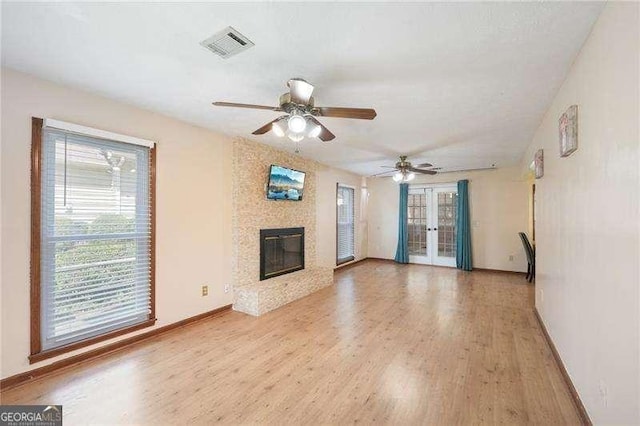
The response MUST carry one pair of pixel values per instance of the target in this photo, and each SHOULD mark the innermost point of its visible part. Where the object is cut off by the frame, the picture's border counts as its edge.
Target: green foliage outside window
(84, 264)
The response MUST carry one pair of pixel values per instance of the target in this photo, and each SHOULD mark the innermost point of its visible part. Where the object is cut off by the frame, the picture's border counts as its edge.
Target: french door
(431, 215)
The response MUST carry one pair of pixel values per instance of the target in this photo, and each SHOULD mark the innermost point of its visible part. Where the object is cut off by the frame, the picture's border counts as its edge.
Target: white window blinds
(95, 236)
(345, 224)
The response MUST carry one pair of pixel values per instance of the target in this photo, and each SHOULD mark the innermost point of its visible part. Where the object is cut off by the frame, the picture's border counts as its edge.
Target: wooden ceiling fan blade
(425, 165)
(384, 173)
(339, 112)
(250, 106)
(424, 172)
(300, 90)
(264, 129)
(325, 134)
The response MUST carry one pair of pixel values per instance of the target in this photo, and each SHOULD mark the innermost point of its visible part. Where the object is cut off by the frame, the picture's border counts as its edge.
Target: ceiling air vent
(227, 43)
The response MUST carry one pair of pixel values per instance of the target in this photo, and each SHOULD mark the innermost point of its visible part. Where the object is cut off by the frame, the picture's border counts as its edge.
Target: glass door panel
(418, 215)
(445, 206)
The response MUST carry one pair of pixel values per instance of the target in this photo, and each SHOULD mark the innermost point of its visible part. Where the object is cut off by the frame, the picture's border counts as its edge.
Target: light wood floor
(386, 344)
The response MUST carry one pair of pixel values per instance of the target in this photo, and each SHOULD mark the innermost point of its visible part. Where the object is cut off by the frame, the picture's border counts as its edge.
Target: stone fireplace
(272, 265)
(281, 251)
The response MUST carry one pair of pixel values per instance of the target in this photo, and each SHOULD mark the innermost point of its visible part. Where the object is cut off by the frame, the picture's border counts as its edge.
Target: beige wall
(194, 221)
(193, 217)
(498, 209)
(587, 288)
(328, 179)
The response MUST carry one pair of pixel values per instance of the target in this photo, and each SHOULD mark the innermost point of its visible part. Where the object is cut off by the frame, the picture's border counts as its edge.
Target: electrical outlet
(510, 258)
(226, 288)
(205, 290)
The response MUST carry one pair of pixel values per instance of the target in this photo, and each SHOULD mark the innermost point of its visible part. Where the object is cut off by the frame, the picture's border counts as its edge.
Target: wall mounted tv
(285, 184)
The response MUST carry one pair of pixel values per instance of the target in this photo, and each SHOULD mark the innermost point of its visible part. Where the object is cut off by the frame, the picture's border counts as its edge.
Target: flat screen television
(285, 184)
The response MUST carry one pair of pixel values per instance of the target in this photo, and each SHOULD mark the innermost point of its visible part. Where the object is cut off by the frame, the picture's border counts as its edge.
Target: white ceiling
(460, 85)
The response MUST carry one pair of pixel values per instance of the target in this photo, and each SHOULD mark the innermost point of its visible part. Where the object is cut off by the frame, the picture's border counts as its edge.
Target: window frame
(353, 224)
(36, 352)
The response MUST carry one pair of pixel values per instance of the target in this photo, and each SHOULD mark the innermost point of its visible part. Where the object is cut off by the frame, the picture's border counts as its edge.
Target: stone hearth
(268, 295)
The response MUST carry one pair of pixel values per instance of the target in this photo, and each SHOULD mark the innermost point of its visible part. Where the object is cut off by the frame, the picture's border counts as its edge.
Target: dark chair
(531, 256)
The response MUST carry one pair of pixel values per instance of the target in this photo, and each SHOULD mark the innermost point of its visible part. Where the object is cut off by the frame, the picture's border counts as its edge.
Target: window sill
(345, 260)
(50, 353)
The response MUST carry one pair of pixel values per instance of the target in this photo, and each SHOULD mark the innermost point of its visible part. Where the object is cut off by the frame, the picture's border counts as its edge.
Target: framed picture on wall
(538, 163)
(568, 128)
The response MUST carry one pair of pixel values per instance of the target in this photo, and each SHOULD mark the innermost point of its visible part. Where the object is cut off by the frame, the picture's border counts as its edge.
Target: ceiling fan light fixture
(296, 137)
(298, 105)
(297, 123)
(404, 171)
(277, 129)
(315, 131)
(404, 176)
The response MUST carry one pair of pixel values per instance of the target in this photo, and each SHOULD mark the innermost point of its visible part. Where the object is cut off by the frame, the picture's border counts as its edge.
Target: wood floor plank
(389, 344)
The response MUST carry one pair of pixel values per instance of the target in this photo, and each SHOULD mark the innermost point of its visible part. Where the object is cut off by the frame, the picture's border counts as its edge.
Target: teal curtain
(402, 251)
(463, 238)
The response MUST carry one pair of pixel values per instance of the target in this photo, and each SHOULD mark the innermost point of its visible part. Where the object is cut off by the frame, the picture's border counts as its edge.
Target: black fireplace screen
(281, 251)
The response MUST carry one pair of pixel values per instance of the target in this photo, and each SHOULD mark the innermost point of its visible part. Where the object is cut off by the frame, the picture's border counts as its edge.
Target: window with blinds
(345, 224)
(95, 237)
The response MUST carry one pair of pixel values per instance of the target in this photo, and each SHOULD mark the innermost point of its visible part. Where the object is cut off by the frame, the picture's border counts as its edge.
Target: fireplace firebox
(281, 251)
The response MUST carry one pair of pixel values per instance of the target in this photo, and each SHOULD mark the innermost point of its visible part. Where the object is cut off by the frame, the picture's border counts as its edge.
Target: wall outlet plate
(226, 288)
(205, 290)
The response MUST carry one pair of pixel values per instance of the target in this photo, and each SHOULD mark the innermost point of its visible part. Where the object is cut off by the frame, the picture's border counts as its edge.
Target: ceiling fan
(300, 118)
(404, 171)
